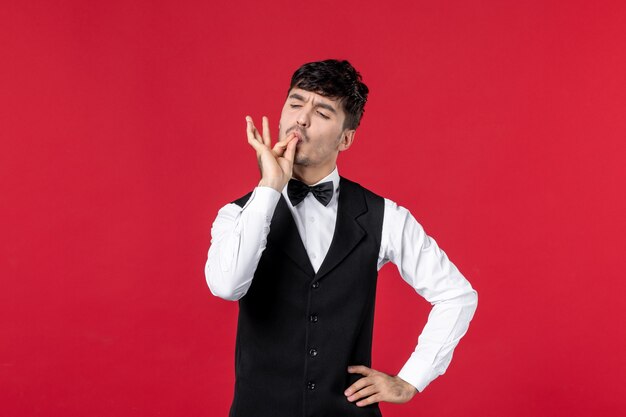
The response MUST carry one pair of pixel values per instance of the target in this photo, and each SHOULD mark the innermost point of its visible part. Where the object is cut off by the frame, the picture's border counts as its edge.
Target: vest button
(313, 318)
(313, 352)
(310, 385)
(316, 284)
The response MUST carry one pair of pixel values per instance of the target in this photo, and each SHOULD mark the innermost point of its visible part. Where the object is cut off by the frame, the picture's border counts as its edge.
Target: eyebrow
(322, 105)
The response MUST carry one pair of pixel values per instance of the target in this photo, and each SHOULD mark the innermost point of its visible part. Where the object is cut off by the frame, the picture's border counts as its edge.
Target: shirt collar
(333, 176)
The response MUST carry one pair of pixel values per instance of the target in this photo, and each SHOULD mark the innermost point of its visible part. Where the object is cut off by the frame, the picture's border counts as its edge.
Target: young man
(301, 253)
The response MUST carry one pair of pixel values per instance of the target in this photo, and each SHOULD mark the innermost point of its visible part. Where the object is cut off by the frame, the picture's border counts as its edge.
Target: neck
(310, 175)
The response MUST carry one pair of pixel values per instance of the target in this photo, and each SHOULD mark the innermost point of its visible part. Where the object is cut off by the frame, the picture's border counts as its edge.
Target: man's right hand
(276, 165)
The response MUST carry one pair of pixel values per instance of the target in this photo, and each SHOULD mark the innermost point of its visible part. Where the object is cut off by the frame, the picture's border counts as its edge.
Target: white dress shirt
(239, 237)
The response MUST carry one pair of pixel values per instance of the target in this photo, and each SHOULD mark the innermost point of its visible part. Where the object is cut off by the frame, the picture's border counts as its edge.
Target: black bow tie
(297, 190)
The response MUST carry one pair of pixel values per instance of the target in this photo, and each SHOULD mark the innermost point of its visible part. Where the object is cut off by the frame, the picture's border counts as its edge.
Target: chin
(301, 160)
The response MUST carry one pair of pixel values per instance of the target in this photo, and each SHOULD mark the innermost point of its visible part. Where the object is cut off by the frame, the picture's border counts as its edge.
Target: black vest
(298, 331)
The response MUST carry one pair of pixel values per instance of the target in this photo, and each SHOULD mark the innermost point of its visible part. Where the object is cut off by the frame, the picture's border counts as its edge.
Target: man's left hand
(377, 386)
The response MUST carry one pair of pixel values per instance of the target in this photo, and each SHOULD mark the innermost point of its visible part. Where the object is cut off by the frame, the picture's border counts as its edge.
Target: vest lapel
(348, 232)
(284, 234)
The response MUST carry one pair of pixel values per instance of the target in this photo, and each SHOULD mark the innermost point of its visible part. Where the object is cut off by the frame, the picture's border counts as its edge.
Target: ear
(347, 137)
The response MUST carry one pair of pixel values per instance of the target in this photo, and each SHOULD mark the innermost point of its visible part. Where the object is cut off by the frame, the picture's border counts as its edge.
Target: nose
(303, 119)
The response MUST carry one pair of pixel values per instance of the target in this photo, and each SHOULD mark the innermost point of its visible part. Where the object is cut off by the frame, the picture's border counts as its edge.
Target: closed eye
(323, 115)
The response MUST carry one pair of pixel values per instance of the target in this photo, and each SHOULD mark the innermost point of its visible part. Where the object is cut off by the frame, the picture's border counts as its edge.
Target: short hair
(337, 80)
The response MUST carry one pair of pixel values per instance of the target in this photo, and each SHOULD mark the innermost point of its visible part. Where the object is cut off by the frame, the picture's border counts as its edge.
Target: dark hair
(337, 80)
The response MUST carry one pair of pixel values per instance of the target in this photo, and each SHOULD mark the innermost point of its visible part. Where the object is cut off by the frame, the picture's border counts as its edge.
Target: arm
(424, 266)
(238, 238)
(238, 235)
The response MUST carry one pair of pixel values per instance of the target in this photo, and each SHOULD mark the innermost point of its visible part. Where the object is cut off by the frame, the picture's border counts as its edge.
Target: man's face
(318, 123)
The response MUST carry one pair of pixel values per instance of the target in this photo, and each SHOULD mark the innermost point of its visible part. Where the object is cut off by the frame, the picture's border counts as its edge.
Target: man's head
(336, 80)
(325, 103)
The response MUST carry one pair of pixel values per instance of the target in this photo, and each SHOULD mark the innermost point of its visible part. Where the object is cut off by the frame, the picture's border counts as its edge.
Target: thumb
(360, 369)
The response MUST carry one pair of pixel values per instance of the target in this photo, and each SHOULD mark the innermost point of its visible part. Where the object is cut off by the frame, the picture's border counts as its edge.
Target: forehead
(316, 99)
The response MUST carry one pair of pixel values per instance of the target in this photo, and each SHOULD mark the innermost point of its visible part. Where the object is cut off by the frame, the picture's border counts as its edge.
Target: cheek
(283, 123)
(333, 137)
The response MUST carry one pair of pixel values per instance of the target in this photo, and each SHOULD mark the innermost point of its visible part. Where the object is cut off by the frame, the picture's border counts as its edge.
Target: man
(301, 253)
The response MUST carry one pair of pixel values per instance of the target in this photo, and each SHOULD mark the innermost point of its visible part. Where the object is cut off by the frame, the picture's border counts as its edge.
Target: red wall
(501, 126)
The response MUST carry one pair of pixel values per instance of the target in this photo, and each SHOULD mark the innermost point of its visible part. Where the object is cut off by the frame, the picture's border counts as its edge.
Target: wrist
(277, 185)
(409, 388)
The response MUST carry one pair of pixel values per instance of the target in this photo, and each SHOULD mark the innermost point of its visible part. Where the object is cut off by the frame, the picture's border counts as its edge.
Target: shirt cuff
(264, 201)
(417, 373)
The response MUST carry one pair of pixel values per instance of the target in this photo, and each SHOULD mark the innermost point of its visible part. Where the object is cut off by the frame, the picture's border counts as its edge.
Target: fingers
(254, 137)
(370, 400)
(379, 387)
(364, 395)
(291, 150)
(360, 369)
(355, 391)
(366, 390)
(266, 132)
(361, 383)
(250, 133)
(286, 161)
(280, 147)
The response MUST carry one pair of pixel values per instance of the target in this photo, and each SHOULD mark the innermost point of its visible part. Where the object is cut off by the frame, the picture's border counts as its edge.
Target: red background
(499, 124)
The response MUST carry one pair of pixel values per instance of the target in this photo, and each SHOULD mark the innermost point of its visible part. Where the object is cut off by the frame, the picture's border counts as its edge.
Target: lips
(299, 134)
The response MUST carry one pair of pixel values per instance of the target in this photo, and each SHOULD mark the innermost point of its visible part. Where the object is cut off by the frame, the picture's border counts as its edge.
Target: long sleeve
(424, 266)
(238, 238)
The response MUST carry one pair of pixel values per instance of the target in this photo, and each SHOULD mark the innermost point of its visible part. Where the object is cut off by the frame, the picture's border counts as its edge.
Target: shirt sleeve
(424, 266)
(238, 238)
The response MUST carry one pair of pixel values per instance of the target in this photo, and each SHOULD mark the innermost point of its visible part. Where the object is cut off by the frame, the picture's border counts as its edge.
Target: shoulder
(241, 201)
(391, 208)
(371, 197)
